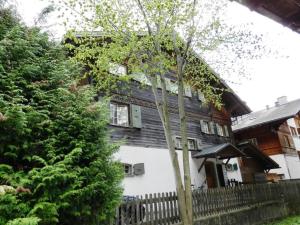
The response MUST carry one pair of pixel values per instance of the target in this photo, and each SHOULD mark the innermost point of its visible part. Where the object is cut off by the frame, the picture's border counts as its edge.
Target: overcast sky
(270, 77)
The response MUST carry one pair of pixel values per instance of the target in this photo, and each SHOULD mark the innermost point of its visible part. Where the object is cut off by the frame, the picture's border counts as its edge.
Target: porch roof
(254, 152)
(222, 151)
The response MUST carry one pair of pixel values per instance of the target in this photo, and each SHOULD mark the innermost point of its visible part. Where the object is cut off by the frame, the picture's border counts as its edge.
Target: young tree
(153, 38)
(56, 164)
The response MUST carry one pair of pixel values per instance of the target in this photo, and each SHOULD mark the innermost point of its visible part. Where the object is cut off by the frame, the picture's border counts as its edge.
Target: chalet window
(204, 127)
(171, 86)
(201, 96)
(212, 127)
(293, 131)
(287, 142)
(220, 131)
(226, 131)
(141, 77)
(178, 144)
(119, 114)
(117, 69)
(192, 145)
(187, 91)
(253, 141)
(128, 169)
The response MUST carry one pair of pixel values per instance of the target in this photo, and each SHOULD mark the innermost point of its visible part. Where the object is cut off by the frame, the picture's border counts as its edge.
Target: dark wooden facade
(151, 133)
(272, 138)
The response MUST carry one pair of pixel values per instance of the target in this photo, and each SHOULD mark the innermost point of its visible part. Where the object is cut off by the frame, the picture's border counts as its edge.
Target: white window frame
(117, 114)
(204, 126)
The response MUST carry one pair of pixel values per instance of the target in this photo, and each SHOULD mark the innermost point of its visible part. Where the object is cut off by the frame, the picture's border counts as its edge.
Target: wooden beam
(202, 164)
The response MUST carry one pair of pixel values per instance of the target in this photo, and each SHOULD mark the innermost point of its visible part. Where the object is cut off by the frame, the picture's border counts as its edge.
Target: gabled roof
(271, 115)
(254, 152)
(221, 151)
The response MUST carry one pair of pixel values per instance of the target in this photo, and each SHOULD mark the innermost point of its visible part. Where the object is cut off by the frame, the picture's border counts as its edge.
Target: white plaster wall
(293, 163)
(280, 159)
(158, 175)
(235, 174)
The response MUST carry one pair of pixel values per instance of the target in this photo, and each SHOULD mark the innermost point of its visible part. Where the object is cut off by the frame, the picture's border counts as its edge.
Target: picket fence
(162, 208)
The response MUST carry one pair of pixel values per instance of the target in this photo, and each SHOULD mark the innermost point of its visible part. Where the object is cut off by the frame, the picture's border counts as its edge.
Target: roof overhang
(250, 150)
(221, 151)
(285, 12)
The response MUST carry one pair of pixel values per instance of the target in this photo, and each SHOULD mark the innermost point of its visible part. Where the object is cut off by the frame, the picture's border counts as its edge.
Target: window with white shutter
(220, 130)
(204, 126)
(187, 91)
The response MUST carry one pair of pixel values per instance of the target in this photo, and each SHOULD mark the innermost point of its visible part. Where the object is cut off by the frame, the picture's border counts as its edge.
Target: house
(134, 119)
(275, 131)
(136, 125)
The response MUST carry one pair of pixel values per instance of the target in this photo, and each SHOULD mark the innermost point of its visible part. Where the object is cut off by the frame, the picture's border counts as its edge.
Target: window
(293, 131)
(187, 91)
(286, 141)
(128, 169)
(220, 131)
(191, 143)
(226, 131)
(178, 143)
(119, 114)
(253, 141)
(171, 86)
(117, 69)
(204, 127)
(201, 96)
(212, 127)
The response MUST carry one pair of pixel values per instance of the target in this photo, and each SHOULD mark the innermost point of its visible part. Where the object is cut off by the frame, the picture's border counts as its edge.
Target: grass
(295, 220)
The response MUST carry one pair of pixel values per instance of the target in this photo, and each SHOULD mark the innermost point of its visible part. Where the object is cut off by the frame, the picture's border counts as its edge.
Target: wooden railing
(162, 208)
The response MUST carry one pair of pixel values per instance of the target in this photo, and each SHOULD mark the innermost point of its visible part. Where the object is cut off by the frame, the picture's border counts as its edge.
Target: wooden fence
(162, 208)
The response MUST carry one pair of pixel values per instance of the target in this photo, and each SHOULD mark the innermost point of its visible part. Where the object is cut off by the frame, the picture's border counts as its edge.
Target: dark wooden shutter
(136, 117)
(139, 169)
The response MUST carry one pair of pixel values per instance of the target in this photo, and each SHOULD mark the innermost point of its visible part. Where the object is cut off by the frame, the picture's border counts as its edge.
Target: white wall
(235, 174)
(280, 159)
(158, 175)
(293, 163)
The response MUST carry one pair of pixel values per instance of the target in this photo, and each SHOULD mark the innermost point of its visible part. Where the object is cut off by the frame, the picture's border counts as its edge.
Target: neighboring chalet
(134, 119)
(276, 132)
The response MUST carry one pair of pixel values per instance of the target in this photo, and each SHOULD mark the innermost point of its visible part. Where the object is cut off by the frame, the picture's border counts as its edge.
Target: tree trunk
(162, 106)
(185, 151)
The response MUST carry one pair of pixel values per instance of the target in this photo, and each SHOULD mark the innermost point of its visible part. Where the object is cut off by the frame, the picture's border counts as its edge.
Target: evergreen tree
(56, 164)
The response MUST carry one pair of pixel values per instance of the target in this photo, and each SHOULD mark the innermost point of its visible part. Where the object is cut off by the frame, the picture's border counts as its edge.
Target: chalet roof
(275, 114)
(286, 12)
(253, 151)
(221, 151)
